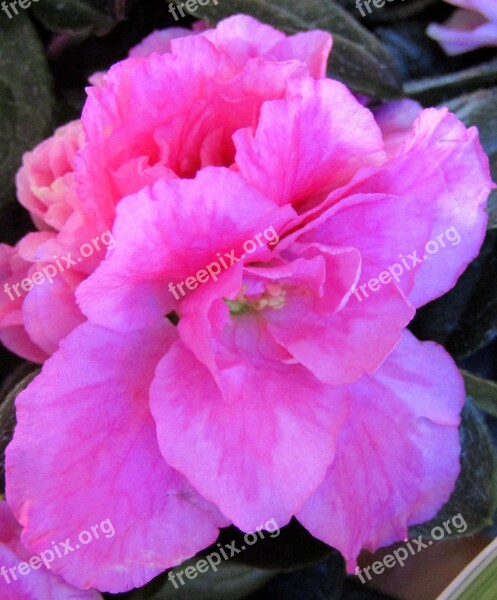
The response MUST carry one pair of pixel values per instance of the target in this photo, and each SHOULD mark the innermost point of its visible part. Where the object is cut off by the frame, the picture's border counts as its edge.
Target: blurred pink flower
(278, 393)
(473, 26)
(33, 581)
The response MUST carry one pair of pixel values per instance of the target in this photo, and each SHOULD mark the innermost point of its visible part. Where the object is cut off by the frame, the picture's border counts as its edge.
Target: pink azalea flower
(473, 26)
(33, 581)
(247, 56)
(279, 393)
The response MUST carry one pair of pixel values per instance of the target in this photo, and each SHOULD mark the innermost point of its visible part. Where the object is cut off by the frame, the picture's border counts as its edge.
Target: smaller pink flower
(37, 582)
(37, 311)
(473, 26)
(46, 179)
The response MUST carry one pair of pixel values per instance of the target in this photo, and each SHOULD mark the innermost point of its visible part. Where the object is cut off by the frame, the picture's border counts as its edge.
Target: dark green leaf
(482, 391)
(433, 90)
(475, 496)
(397, 10)
(480, 109)
(25, 97)
(358, 57)
(466, 318)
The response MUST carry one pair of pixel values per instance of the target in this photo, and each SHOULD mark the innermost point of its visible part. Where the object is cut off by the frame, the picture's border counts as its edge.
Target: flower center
(274, 296)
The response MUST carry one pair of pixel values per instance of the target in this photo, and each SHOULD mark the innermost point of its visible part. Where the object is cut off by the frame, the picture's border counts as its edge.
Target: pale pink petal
(464, 32)
(86, 451)
(47, 176)
(488, 8)
(159, 41)
(242, 37)
(398, 455)
(310, 47)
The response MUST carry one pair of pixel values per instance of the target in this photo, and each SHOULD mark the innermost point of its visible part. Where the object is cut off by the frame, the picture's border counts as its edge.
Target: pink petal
(243, 37)
(159, 41)
(398, 456)
(38, 583)
(85, 450)
(313, 110)
(310, 47)
(395, 119)
(163, 235)
(171, 112)
(50, 311)
(326, 333)
(441, 179)
(464, 32)
(260, 453)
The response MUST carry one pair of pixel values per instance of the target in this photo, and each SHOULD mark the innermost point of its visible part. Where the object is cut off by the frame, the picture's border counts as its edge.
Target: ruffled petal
(85, 452)
(313, 110)
(260, 452)
(398, 454)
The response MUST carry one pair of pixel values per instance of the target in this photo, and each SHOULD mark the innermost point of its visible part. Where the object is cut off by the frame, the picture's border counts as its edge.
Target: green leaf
(74, 16)
(433, 90)
(466, 317)
(358, 58)
(482, 391)
(480, 109)
(25, 98)
(475, 495)
(477, 580)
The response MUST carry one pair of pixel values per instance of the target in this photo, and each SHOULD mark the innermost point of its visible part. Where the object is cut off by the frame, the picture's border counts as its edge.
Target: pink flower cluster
(473, 26)
(269, 393)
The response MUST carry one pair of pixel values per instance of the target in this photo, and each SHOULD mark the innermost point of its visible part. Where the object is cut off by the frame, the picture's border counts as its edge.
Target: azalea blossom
(270, 393)
(68, 217)
(24, 576)
(472, 26)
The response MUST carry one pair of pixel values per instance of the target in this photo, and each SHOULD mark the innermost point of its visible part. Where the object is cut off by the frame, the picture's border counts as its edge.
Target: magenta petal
(398, 455)
(85, 450)
(261, 452)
